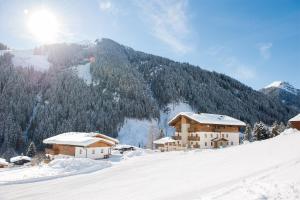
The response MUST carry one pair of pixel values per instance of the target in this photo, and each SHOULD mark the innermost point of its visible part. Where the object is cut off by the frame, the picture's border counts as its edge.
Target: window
(205, 143)
(80, 151)
(211, 143)
(231, 143)
(191, 142)
(101, 150)
(93, 151)
(211, 135)
(205, 135)
(226, 135)
(222, 135)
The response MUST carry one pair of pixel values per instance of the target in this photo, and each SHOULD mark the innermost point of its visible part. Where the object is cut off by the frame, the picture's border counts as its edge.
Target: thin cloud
(265, 50)
(168, 21)
(108, 6)
(238, 69)
(105, 5)
(234, 67)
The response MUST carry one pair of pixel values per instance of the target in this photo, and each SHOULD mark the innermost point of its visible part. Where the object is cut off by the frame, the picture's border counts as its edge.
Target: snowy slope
(261, 170)
(135, 132)
(83, 72)
(26, 58)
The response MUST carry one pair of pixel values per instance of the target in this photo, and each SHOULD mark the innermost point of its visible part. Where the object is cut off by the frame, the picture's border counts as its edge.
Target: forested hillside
(125, 84)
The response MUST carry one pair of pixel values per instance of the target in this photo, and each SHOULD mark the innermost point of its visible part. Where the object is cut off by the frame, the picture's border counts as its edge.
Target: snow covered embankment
(57, 168)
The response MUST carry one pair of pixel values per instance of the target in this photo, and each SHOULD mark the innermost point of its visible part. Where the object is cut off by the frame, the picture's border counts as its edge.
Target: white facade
(92, 152)
(205, 139)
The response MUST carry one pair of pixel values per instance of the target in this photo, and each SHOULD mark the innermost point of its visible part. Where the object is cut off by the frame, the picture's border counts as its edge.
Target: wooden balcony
(196, 146)
(194, 138)
(176, 137)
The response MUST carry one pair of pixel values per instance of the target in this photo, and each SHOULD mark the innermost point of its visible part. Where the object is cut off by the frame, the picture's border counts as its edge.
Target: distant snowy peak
(284, 86)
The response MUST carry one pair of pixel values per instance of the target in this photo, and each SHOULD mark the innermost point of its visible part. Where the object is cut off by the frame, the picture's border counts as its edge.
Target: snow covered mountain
(284, 92)
(283, 86)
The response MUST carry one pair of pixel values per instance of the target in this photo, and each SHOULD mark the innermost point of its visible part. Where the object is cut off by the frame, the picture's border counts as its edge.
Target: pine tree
(275, 129)
(31, 151)
(150, 137)
(161, 134)
(281, 128)
(248, 133)
(260, 131)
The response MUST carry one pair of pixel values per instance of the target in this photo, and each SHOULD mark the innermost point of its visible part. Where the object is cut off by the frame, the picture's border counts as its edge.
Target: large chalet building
(80, 145)
(205, 130)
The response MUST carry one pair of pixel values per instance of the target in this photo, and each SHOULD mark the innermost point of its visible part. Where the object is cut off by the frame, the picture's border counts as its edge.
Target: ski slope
(27, 58)
(261, 170)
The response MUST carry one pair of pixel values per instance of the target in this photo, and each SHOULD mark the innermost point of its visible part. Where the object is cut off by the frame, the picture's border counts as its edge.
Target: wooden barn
(295, 122)
(81, 145)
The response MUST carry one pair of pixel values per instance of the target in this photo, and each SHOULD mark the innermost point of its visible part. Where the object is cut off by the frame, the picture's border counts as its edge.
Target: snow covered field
(261, 170)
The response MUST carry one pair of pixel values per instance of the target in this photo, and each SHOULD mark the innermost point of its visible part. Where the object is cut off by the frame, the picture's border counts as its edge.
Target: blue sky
(256, 42)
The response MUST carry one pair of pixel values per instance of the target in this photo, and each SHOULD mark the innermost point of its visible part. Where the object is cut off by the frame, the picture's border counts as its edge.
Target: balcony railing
(176, 137)
(196, 146)
(194, 138)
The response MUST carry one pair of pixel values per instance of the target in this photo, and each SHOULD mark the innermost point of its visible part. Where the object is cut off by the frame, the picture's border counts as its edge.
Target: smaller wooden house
(3, 163)
(81, 145)
(295, 122)
(165, 144)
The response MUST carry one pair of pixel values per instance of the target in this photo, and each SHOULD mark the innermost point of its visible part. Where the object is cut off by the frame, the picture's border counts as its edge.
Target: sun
(43, 25)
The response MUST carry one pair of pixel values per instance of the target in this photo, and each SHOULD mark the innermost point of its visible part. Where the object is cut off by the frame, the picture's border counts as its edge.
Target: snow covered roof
(205, 118)
(296, 118)
(124, 146)
(17, 158)
(3, 161)
(106, 137)
(164, 140)
(79, 139)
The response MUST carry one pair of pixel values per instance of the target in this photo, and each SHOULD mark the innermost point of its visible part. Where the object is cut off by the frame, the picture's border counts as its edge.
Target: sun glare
(44, 26)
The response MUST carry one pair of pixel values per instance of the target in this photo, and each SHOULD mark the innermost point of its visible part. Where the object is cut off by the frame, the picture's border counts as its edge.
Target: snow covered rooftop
(296, 118)
(79, 139)
(3, 161)
(205, 118)
(164, 140)
(18, 158)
